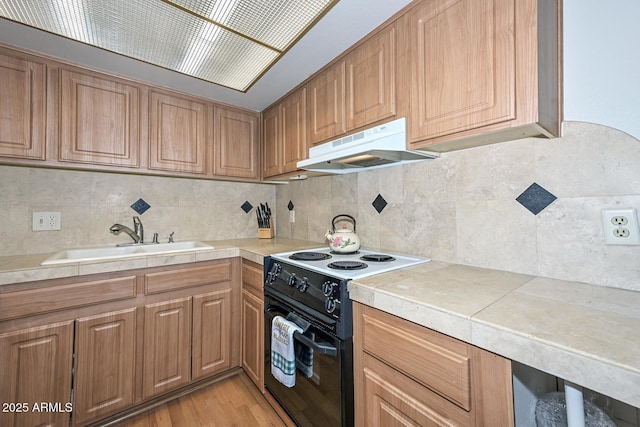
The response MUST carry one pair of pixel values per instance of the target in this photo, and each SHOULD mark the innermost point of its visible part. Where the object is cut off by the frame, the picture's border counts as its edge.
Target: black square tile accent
(140, 206)
(535, 198)
(246, 206)
(379, 203)
(290, 205)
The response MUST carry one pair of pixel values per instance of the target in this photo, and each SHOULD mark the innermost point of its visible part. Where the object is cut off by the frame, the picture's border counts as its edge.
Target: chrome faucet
(137, 234)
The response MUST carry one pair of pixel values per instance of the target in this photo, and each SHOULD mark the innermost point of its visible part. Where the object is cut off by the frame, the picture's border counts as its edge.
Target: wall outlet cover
(44, 221)
(621, 226)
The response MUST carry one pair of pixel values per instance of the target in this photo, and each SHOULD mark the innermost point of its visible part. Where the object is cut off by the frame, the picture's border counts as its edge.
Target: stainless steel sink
(111, 252)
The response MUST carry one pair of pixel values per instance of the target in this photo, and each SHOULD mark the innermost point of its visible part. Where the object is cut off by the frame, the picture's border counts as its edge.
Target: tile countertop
(27, 268)
(589, 335)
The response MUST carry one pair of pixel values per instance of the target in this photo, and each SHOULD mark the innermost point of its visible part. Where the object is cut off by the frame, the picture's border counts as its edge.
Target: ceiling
(346, 23)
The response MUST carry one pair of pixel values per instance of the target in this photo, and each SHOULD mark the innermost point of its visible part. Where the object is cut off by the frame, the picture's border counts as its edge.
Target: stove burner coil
(377, 258)
(309, 256)
(347, 265)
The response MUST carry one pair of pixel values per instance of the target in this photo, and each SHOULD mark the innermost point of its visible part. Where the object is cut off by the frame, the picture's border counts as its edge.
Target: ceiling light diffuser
(231, 43)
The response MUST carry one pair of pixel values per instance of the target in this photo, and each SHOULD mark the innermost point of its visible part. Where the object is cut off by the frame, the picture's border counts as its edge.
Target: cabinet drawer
(170, 280)
(393, 399)
(436, 361)
(60, 297)
(252, 276)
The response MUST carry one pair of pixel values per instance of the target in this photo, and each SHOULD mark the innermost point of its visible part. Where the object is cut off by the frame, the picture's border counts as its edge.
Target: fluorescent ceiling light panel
(231, 43)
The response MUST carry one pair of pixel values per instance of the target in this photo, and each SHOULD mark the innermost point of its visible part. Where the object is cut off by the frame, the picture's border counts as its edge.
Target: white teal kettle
(343, 240)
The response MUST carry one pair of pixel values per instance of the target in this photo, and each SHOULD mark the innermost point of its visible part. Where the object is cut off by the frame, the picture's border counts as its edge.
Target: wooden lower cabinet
(35, 367)
(253, 323)
(406, 374)
(105, 362)
(129, 338)
(252, 333)
(212, 341)
(167, 346)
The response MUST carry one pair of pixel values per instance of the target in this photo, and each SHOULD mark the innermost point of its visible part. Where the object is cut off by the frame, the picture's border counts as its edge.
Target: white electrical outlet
(46, 221)
(621, 226)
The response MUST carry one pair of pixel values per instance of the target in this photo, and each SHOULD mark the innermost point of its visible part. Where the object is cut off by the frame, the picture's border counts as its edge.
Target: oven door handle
(319, 347)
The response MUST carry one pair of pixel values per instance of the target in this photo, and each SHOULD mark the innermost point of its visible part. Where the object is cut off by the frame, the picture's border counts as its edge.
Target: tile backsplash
(90, 202)
(462, 207)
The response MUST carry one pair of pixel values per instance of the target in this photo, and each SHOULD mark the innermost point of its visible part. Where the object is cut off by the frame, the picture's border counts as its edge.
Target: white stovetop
(373, 267)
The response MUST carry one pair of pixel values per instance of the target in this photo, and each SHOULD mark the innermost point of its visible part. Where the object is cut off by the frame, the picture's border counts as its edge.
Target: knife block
(266, 233)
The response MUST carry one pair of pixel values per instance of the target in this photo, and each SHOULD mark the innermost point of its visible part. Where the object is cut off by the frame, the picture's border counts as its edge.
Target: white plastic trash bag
(551, 411)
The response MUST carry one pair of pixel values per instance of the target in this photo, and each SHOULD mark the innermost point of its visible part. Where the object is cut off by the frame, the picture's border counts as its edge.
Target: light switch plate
(44, 221)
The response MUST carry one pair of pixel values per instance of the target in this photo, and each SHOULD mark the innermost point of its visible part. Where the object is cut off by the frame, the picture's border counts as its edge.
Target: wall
(461, 208)
(90, 202)
(601, 66)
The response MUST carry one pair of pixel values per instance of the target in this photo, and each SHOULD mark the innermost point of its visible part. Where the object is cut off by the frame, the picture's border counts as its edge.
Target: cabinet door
(253, 322)
(271, 142)
(105, 361)
(326, 104)
(462, 66)
(211, 333)
(294, 130)
(99, 120)
(285, 134)
(370, 81)
(236, 144)
(22, 108)
(178, 133)
(167, 346)
(35, 367)
(253, 337)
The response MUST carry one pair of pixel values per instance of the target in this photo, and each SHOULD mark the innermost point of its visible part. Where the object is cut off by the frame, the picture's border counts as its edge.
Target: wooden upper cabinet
(22, 107)
(272, 163)
(285, 134)
(474, 68)
(99, 120)
(370, 80)
(294, 130)
(179, 128)
(463, 66)
(236, 144)
(354, 92)
(325, 117)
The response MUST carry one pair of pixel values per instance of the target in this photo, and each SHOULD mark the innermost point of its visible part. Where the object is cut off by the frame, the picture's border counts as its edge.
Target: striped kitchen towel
(304, 358)
(283, 359)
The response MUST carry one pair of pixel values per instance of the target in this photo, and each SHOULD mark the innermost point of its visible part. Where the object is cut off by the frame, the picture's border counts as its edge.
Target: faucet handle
(171, 237)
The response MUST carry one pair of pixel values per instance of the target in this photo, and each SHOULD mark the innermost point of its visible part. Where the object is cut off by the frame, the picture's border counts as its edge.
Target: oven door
(323, 392)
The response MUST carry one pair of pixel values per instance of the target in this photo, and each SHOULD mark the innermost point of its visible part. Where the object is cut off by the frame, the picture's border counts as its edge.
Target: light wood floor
(234, 401)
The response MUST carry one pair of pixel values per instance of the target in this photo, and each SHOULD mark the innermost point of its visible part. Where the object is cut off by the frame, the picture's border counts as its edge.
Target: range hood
(378, 147)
